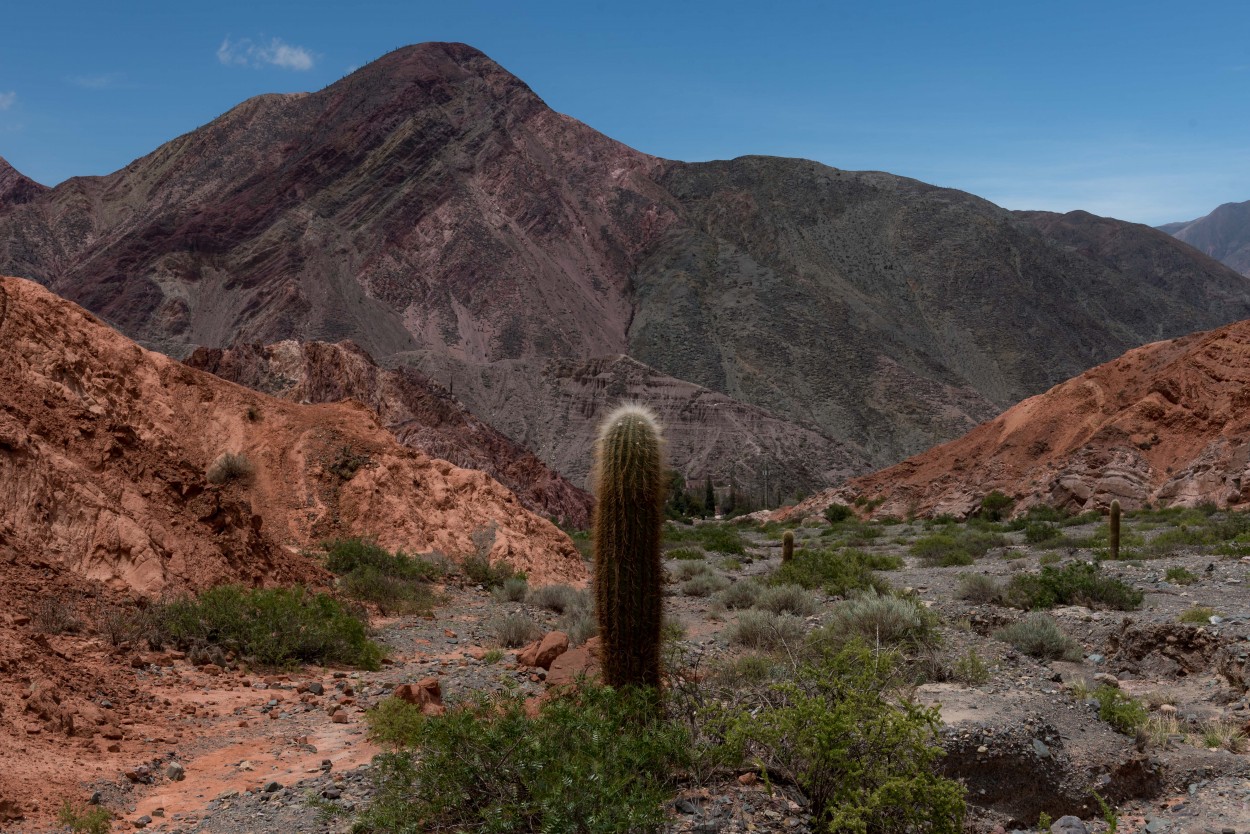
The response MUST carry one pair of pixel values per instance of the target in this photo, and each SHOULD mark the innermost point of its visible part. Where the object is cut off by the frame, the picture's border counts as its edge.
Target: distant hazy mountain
(431, 208)
(1224, 234)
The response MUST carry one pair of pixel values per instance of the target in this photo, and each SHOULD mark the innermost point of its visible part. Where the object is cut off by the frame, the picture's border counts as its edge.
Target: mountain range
(1224, 234)
(431, 209)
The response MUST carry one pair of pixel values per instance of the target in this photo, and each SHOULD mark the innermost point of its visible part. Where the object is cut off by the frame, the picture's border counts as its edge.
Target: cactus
(787, 546)
(1115, 530)
(629, 511)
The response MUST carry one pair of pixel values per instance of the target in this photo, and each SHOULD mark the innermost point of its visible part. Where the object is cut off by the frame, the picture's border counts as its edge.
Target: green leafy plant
(1109, 815)
(1181, 576)
(1199, 614)
(81, 820)
(878, 619)
(837, 513)
(970, 669)
(594, 759)
(629, 513)
(1123, 712)
(996, 506)
(838, 572)
(1077, 583)
(395, 582)
(864, 756)
(272, 627)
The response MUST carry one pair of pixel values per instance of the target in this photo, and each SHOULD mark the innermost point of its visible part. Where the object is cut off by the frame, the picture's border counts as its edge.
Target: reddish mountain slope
(1166, 423)
(15, 188)
(421, 414)
(104, 448)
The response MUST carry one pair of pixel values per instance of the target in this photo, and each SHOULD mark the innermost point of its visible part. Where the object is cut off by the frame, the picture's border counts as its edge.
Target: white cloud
(247, 53)
(7, 100)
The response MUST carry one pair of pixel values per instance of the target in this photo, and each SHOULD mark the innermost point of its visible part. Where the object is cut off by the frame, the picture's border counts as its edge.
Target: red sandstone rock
(543, 652)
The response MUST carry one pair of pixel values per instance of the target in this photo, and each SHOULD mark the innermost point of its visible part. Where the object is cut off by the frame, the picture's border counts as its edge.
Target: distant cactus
(787, 546)
(1115, 530)
(629, 511)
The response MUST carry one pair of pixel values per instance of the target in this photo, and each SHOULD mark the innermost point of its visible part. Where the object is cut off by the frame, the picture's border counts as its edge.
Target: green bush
(1199, 614)
(1036, 532)
(1181, 576)
(1077, 583)
(879, 620)
(273, 627)
(996, 506)
(838, 572)
(863, 756)
(683, 571)
(941, 550)
(395, 582)
(593, 760)
(721, 538)
(837, 513)
(685, 553)
(1122, 712)
(95, 820)
(970, 669)
(1037, 635)
(478, 570)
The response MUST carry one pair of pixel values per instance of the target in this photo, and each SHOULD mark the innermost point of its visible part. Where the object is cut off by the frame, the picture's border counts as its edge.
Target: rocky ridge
(1224, 234)
(1164, 424)
(421, 414)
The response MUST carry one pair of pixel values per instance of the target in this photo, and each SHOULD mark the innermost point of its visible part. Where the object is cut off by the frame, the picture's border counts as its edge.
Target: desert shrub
(1037, 635)
(558, 598)
(683, 571)
(764, 630)
(514, 630)
(746, 670)
(1181, 576)
(970, 669)
(56, 615)
(731, 564)
(837, 572)
(996, 506)
(704, 585)
(1051, 558)
(1088, 517)
(347, 463)
(1224, 735)
(863, 756)
(229, 467)
(1180, 538)
(837, 513)
(1199, 614)
(594, 759)
(1077, 583)
(513, 589)
(580, 624)
(741, 594)
(1124, 713)
(978, 587)
(273, 627)
(941, 550)
(1038, 531)
(395, 582)
(787, 599)
(720, 538)
(879, 620)
(85, 820)
(685, 553)
(479, 570)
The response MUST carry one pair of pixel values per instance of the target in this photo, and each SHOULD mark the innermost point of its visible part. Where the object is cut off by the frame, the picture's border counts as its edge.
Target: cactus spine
(787, 546)
(629, 511)
(1115, 530)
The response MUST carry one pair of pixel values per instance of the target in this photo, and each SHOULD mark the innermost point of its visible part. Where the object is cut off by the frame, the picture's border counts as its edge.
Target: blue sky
(1135, 110)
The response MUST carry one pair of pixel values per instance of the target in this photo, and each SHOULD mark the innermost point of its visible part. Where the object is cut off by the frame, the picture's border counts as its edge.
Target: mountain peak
(16, 187)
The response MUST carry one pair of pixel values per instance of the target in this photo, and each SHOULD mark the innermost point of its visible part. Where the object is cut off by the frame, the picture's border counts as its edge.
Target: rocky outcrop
(104, 450)
(15, 188)
(1224, 234)
(1164, 424)
(431, 206)
(422, 414)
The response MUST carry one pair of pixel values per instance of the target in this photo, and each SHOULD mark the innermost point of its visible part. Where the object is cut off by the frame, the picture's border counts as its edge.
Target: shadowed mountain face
(1224, 234)
(431, 208)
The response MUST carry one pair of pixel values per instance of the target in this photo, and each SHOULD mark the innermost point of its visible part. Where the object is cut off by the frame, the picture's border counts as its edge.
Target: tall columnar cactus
(1115, 529)
(787, 546)
(629, 511)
